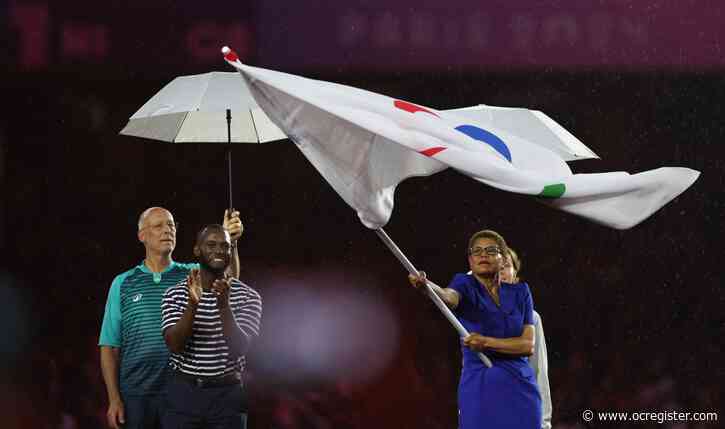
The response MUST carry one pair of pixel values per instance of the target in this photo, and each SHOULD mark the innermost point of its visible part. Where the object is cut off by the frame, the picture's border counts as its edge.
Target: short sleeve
(459, 283)
(173, 305)
(248, 312)
(528, 306)
(111, 326)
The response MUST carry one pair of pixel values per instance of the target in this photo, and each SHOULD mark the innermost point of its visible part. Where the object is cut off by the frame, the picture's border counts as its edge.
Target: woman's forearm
(511, 346)
(522, 345)
(449, 296)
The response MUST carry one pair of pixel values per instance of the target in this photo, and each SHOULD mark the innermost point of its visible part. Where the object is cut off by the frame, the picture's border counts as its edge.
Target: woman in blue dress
(500, 322)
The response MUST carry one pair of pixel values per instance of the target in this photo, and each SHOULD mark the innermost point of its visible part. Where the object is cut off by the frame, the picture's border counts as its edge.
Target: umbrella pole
(229, 158)
(431, 294)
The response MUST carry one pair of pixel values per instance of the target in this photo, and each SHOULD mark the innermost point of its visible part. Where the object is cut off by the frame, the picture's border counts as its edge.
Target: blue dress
(505, 395)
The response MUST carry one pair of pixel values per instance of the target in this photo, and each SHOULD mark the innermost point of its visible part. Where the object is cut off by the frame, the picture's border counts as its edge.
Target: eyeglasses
(160, 226)
(480, 251)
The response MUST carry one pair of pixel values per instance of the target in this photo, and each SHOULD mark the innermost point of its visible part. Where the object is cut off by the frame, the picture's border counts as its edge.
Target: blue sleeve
(111, 327)
(460, 285)
(528, 306)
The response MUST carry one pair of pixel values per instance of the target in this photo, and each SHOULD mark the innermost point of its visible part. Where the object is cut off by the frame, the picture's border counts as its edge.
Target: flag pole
(431, 294)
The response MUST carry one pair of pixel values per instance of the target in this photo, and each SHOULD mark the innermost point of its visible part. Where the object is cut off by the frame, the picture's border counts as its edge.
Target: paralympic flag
(364, 144)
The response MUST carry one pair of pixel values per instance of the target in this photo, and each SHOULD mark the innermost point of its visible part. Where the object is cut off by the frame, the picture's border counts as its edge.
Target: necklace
(493, 291)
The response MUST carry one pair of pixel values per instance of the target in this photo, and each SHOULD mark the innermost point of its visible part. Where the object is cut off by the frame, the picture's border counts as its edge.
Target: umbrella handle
(229, 157)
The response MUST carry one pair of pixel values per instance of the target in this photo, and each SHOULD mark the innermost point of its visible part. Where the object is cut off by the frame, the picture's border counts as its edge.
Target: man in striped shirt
(134, 358)
(208, 323)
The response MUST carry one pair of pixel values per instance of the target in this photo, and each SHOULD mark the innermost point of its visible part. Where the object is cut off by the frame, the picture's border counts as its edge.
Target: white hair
(145, 214)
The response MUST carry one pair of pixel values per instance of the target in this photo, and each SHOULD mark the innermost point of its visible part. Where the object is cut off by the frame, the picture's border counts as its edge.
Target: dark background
(634, 319)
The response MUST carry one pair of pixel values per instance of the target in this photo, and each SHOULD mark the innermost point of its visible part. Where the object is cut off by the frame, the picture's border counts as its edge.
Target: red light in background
(84, 41)
(31, 21)
(204, 39)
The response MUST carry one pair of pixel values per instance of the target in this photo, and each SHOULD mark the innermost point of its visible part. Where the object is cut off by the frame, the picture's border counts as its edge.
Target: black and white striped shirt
(206, 352)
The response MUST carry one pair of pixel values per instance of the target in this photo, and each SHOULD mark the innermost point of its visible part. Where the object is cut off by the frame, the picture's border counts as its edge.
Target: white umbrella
(199, 109)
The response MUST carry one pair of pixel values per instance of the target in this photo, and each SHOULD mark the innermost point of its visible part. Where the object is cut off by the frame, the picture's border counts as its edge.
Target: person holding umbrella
(500, 322)
(134, 358)
(209, 321)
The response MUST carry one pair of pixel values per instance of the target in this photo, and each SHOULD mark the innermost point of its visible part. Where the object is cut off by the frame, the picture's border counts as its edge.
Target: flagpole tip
(229, 54)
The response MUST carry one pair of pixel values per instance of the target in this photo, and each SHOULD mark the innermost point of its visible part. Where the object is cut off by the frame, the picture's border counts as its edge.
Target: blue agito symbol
(487, 137)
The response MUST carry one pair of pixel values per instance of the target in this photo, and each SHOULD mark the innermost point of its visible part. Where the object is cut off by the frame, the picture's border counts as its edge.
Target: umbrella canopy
(204, 108)
(192, 109)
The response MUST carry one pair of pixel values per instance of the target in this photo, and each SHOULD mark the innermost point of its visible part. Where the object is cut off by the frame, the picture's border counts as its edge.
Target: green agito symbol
(553, 191)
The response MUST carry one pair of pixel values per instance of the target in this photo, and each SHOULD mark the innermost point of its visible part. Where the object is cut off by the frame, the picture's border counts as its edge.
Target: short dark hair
(206, 230)
(490, 234)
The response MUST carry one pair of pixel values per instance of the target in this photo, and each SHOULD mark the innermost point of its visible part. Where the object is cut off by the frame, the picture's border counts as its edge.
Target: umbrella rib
(178, 127)
(203, 92)
(256, 132)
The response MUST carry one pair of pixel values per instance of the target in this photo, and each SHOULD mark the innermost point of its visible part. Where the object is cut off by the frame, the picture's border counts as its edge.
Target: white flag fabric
(364, 144)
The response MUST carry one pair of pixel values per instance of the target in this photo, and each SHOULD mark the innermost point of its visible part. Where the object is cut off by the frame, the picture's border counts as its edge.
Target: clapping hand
(220, 287)
(193, 283)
